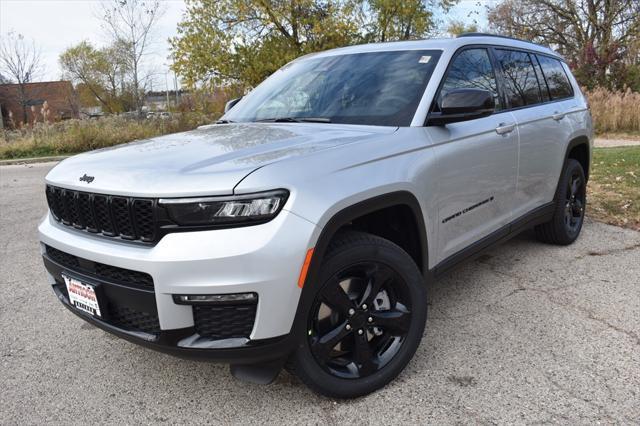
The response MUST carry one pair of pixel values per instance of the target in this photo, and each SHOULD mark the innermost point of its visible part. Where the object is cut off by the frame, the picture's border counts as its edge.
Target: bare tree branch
(20, 62)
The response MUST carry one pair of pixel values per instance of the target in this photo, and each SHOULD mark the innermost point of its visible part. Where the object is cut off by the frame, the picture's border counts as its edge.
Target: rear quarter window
(556, 77)
(520, 80)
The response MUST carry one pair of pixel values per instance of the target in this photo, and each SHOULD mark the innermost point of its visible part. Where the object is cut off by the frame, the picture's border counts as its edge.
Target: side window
(544, 90)
(520, 81)
(471, 69)
(557, 80)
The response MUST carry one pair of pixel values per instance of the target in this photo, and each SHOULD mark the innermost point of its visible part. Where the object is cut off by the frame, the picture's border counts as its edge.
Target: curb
(32, 160)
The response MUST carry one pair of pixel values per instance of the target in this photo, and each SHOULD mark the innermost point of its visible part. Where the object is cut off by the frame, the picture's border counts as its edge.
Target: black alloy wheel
(575, 201)
(360, 320)
(365, 320)
(569, 209)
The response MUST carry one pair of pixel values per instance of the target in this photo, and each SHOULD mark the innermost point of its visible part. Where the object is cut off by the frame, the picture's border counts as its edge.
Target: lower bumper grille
(101, 271)
(224, 321)
(126, 297)
(119, 314)
(130, 319)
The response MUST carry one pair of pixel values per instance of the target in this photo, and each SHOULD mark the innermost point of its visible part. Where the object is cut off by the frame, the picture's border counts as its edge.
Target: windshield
(377, 88)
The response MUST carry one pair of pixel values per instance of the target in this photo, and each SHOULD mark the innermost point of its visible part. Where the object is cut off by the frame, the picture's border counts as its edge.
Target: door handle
(504, 128)
(558, 115)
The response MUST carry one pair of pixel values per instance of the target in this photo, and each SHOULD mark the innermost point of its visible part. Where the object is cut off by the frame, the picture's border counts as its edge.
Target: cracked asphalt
(527, 333)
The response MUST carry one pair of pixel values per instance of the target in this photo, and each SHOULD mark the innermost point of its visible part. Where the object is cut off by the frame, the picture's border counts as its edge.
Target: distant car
(303, 227)
(155, 114)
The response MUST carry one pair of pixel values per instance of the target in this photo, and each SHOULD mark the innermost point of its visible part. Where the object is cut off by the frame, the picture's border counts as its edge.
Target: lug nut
(364, 306)
(352, 311)
(360, 332)
(370, 319)
(348, 327)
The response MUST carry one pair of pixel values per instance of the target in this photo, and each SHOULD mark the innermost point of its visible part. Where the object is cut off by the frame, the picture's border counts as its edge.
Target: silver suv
(302, 229)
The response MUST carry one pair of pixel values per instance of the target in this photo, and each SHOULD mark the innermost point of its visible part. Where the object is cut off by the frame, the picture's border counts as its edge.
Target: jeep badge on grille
(86, 178)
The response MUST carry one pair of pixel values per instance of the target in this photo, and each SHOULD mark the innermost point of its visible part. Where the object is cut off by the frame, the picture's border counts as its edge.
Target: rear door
(476, 160)
(541, 126)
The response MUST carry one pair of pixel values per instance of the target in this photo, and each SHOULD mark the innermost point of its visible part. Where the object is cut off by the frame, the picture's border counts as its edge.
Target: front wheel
(367, 318)
(571, 199)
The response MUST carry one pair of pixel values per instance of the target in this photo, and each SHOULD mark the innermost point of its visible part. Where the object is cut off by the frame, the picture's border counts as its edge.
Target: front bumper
(263, 259)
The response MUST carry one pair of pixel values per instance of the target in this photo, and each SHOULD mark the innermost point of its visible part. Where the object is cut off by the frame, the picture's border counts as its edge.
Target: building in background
(37, 102)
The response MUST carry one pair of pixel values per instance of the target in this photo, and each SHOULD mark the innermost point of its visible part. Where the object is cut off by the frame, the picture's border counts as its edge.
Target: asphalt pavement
(527, 333)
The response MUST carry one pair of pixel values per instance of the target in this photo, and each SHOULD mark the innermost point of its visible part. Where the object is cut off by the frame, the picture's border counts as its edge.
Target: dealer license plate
(82, 296)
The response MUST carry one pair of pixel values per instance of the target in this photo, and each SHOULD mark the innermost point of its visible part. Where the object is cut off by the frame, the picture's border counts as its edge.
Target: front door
(476, 161)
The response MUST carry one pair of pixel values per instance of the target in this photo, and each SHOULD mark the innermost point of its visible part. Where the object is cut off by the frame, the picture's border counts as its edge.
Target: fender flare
(577, 141)
(337, 221)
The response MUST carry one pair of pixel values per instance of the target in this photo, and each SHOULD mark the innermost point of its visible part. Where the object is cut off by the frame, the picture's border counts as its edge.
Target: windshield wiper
(295, 120)
(224, 121)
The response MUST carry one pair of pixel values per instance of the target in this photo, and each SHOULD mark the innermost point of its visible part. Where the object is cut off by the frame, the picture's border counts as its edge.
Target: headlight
(241, 209)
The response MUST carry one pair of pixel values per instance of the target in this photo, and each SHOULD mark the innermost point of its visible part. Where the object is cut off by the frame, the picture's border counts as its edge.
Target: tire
(568, 217)
(375, 341)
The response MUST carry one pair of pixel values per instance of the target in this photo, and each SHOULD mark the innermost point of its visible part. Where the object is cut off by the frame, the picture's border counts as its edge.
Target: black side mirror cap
(231, 104)
(463, 105)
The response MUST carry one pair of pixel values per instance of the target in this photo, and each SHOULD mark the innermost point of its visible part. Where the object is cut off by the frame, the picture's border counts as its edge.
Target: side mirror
(463, 105)
(231, 104)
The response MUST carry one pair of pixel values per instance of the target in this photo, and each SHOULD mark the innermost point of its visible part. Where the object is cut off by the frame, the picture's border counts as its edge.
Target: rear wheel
(367, 318)
(571, 200)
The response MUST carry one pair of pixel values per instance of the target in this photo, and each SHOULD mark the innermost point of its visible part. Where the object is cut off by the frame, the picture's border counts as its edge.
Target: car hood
(210, 160)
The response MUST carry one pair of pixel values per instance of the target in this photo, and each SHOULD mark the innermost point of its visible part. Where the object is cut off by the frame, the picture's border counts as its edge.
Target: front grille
(133, 320)
(224, 321)
(100, 271)
(125, 217)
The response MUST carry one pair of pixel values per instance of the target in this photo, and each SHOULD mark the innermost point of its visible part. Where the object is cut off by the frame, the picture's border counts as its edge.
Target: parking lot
(527, 333)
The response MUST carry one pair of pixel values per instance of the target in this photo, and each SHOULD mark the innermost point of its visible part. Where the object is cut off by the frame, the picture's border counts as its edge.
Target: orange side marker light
(305, 268)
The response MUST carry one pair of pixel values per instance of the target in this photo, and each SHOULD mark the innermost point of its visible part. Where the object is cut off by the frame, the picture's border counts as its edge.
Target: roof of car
(440, 44)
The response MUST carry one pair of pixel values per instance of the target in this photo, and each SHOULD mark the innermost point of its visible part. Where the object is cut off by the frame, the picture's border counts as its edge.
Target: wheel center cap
(359, 319)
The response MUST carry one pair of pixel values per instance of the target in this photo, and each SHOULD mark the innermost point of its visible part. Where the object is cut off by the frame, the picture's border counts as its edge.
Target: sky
(55, 25)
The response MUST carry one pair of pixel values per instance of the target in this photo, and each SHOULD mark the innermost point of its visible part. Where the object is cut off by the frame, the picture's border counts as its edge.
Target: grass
(74, 136)
(615, 112)
(614, 186)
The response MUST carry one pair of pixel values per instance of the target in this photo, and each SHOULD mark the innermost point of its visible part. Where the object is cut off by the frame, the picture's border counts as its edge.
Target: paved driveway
(528, 333)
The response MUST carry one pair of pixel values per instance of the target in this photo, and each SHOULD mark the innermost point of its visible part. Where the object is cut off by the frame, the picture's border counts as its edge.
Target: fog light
(211, 299)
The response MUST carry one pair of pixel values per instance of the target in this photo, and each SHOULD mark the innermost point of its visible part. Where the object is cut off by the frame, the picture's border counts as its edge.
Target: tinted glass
(559, 86)
(471, 69)
(544, 90)
(521, 83)
(377, 88)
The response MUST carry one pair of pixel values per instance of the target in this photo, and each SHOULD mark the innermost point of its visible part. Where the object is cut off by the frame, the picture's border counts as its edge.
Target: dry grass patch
(74, 136)
(615, 112)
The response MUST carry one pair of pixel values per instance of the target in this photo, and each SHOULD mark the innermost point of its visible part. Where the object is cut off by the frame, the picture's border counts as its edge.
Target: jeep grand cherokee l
(302, 228)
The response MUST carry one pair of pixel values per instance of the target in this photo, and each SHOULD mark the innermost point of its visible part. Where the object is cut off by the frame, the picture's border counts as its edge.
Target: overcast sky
(55, 25)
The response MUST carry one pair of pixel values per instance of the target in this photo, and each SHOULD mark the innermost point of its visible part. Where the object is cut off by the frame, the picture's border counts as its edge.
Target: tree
(20, 62)
(130, 24)
(455, 28)
(391, 20)
(594, 35)
(241, 42)
(100, 72)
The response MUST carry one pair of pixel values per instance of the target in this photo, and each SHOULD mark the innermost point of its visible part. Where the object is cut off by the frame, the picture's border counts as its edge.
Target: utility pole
(166, 88)
(175, 86)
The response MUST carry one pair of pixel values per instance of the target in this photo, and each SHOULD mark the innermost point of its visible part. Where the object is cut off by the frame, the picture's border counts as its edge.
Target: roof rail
(491, 35)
